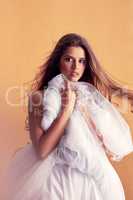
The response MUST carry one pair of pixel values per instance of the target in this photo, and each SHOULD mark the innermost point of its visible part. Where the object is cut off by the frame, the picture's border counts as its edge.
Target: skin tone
(72, 65)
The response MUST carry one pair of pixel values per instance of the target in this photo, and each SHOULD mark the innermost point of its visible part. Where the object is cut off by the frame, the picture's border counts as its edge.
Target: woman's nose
(75, 64)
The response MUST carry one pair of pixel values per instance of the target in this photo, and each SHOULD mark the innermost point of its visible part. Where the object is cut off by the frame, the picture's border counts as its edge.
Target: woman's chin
(73, 78)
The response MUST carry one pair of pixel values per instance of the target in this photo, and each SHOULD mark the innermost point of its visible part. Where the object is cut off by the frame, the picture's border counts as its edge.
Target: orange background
(29, 31)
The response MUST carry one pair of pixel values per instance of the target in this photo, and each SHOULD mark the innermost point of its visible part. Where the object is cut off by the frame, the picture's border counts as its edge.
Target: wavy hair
(94, 72)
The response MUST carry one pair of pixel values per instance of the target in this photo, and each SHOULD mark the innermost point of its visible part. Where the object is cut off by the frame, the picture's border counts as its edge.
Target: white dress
(78, 168)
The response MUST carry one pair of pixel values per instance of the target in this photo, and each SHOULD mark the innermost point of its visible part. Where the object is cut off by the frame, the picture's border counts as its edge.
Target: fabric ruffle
(114, 132)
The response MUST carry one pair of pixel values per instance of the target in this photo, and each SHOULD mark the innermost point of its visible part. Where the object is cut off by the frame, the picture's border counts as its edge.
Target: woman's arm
(45, 141)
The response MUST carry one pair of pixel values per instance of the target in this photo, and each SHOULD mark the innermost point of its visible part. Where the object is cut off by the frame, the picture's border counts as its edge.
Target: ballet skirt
(78, 168)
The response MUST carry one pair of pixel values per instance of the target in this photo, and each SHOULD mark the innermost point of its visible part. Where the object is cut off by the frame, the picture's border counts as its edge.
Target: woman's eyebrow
(65, 55)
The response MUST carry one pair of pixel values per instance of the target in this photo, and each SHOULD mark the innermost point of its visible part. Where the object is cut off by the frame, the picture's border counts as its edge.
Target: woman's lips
(74, 74)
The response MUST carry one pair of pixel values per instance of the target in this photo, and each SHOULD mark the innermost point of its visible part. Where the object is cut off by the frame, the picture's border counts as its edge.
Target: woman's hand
(68, 98)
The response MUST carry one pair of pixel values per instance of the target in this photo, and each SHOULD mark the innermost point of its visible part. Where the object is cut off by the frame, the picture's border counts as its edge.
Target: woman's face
(72, 63)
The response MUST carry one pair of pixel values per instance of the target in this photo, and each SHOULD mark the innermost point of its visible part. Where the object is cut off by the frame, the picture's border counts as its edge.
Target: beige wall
(29, 30)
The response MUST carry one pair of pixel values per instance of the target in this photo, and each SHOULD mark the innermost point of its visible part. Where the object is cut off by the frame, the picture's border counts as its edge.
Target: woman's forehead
(75, 52)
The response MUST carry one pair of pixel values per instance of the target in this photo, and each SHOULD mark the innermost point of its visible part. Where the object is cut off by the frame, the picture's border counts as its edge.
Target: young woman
(72, 126)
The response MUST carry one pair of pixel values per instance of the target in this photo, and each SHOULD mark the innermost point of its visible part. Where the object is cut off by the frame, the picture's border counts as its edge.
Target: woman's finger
(67, 85)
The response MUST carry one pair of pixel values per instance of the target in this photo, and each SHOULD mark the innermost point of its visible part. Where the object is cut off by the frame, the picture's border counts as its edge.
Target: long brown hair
(94, 72)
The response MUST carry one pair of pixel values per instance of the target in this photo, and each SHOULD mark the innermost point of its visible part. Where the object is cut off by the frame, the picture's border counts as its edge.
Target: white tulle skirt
(29, 178)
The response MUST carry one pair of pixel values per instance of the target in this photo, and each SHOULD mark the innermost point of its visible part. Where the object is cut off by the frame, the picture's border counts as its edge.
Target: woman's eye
(83, 61)
(68, 59)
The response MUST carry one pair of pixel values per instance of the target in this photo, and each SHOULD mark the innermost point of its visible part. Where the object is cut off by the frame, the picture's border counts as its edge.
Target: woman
(66, 159)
